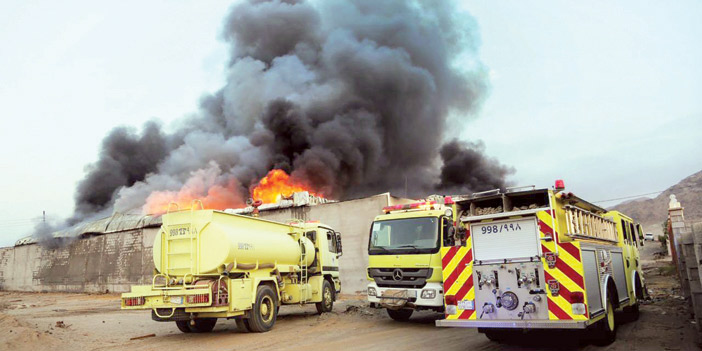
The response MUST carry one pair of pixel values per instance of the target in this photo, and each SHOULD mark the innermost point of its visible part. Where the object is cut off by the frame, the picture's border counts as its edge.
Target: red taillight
(134, 301)
(577, 297)
(560, 184)
(199, 298)
(450, 300)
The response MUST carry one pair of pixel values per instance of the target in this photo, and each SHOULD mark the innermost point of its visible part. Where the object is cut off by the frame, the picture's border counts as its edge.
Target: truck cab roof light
(560, 184)
(429, 205)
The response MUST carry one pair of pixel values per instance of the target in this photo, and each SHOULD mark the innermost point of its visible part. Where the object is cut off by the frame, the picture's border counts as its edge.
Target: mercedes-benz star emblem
(397, 274)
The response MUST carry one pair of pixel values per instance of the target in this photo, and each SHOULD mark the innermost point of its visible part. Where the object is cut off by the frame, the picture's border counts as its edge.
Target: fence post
(677, 224)
(695, 230)
(688, 243)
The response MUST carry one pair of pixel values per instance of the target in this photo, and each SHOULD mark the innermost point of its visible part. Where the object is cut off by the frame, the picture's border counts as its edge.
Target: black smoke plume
(351, 97)
(126, 157)
(484, 173)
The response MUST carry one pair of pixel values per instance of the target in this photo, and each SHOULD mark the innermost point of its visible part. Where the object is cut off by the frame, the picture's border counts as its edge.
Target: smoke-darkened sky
(597, 88)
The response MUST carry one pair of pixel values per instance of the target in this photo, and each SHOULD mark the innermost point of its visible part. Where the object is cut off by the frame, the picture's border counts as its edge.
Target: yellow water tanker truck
(211, 264)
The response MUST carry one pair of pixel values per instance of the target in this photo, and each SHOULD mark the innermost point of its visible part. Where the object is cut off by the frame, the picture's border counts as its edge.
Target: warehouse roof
(118, 222)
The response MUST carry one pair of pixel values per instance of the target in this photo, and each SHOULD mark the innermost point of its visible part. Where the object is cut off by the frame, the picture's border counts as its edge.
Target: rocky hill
(652, 212)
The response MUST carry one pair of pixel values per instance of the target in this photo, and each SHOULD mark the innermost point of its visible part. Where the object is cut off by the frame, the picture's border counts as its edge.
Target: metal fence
(686, 246)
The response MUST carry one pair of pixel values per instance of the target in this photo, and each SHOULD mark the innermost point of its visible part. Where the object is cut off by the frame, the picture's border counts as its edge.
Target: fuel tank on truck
(204, 241)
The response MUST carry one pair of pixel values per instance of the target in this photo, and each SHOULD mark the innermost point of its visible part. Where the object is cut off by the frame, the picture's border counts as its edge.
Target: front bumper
(513, 324)
(436, 302)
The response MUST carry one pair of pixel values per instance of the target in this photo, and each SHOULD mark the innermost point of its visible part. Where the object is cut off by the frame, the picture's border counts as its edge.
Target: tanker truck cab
(404, 260)
(212, 264)
(328, 250)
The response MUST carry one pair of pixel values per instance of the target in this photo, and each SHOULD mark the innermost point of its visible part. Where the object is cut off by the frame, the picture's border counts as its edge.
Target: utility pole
(43, 215)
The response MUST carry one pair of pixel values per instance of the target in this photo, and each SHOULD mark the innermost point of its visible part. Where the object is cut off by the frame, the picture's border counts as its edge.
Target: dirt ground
(44, 321)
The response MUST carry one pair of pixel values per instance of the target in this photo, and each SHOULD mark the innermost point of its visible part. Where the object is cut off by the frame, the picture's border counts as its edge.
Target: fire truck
(404, 258)
(541, 259)
(212, 264)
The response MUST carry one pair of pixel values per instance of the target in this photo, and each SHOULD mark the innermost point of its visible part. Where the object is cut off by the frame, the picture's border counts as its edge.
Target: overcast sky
(603, 95)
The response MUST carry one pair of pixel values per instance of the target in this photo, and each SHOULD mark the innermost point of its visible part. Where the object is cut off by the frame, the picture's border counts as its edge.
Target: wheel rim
(327, 297)
(610, 316)
(266, 309)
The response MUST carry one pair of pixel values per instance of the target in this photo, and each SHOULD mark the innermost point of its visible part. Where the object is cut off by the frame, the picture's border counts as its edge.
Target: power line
(672, 188)
(630, 197)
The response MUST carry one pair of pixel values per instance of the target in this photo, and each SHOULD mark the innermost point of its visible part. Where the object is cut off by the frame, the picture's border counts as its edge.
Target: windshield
(408, 235)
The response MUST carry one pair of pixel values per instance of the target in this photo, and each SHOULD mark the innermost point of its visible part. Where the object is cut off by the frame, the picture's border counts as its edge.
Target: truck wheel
(495, 335)
(327, 302)
(264, 311)
(606, 330)
(243, 325)
(402, 315)
(183, 326)
(632, 312)
(202, 325)
(635, 312)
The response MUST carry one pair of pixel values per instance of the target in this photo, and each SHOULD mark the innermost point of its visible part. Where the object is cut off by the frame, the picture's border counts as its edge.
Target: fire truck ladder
(303, 272)
(175, 252)
(587, 224)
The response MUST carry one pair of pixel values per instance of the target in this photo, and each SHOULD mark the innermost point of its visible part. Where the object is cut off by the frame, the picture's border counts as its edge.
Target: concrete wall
(108, 262)
(115, 261)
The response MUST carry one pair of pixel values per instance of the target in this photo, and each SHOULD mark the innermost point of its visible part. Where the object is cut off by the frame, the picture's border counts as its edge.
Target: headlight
(428, 293)
(371, 291)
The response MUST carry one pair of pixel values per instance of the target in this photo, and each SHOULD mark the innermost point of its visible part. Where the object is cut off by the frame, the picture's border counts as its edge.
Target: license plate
(177, 300)
(400, 293)
(466, 305)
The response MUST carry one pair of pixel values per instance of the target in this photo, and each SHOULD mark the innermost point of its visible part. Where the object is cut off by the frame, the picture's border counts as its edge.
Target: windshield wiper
(409, 245)
(380, 248)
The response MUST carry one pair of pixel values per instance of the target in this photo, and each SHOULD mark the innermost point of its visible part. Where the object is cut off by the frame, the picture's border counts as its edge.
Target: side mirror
(339, 251)
(451, 232)
(449, 236)
(461, 235)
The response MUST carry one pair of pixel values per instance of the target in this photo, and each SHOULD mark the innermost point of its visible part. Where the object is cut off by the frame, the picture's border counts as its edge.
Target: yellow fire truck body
(540, 259)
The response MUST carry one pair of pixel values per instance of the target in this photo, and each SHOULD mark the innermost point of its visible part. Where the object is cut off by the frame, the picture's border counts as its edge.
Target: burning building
(113, 253)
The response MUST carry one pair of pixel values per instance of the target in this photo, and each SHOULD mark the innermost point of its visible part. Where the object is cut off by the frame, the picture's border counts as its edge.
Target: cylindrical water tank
(203, 241)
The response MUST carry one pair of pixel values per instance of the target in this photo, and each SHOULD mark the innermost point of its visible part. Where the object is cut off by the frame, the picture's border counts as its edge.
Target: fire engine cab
(540, 259)
(404, 259)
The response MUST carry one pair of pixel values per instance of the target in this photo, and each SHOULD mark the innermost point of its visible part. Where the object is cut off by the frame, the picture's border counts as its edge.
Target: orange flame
(201, 186)
(276, 185)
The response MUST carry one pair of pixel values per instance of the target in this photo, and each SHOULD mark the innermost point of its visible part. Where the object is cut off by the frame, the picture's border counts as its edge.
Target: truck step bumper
(516, 324)
(170, 315)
